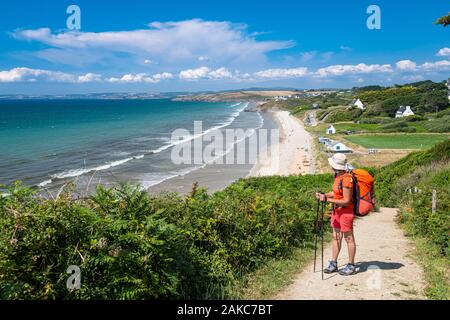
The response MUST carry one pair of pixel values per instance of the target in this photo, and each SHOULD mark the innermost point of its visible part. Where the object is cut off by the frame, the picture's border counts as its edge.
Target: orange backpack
(363, 192)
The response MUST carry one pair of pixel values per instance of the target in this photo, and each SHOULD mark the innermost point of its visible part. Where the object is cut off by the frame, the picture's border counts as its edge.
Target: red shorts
(342, 221)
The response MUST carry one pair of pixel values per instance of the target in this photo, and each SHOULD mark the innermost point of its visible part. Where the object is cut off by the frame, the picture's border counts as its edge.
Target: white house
(315, 106)
(404, 111)
(340, 148)
(358, 103)
(331, 130)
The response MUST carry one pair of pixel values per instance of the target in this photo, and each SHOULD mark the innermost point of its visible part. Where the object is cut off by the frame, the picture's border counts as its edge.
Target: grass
(435, 269)
(398, 141)
(362, 127)
(274, 276)
(345, 126)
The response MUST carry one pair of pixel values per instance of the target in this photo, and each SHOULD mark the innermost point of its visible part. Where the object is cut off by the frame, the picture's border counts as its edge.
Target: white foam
(160, 178)
(78, 172)
(44, 183)
(196, 136)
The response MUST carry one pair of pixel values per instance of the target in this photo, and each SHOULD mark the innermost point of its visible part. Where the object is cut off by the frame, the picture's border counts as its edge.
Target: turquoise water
(46, 142)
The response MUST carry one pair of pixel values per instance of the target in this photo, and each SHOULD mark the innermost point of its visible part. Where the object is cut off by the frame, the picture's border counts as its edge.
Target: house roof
(340, 144)
(401, 109)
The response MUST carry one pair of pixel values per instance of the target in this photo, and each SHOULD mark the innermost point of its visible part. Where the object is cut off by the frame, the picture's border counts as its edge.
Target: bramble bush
(133, 245)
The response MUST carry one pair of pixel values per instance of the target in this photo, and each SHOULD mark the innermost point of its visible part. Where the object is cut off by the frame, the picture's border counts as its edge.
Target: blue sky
(214, 45)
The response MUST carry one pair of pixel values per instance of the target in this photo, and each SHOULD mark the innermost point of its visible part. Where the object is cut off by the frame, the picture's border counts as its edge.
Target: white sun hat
(338, 161)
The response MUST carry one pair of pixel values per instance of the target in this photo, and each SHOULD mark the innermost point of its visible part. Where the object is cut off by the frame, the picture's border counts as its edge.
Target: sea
(47, 143)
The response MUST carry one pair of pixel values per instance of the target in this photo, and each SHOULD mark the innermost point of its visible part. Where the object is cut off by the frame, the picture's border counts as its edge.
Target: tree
(445, 20)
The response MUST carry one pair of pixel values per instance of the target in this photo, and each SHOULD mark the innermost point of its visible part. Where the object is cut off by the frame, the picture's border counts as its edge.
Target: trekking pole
(316, 230)
(322, 230)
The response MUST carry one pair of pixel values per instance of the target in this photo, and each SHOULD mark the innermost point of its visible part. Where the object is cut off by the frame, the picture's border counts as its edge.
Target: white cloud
(194, 74)
(221, 73)
(163, 76)
(32, 75)
(444, 52)
(441, 65)
(202, 59)
(406, 65)
(141, 78)
(174, 44)
(90, 77)
(205, 73)
(282, 73)
(362, 68)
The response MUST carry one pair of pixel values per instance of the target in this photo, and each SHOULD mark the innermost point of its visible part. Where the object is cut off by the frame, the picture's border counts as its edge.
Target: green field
(398, 141)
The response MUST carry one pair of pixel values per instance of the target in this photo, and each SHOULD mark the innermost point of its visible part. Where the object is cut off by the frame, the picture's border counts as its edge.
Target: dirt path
(386, 269)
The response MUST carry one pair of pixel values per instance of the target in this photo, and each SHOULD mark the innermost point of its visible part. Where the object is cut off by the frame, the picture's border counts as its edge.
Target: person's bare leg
(351, 245)
(337, 244)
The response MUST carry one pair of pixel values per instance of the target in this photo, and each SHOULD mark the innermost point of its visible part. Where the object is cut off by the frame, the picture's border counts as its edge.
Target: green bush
(423, 96)
(341, 115)
(415, 196)
(395, 125)
(131, 245)
(441, 124)
(387, 177)
(376, 120)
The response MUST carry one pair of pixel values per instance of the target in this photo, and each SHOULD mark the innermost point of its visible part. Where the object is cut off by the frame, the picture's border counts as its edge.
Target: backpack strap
(341, 183)
(354, 196)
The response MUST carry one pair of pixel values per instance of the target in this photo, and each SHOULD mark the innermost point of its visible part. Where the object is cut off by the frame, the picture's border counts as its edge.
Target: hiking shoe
(332, 267)
(349, 270)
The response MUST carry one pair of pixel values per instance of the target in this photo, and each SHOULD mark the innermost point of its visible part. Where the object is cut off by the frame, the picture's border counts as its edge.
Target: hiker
(343, 214)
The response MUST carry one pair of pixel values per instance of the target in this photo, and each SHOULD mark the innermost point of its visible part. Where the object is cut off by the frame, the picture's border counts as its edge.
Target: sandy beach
(293, 155)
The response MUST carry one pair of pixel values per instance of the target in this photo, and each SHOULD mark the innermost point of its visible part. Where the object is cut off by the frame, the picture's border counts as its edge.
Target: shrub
(131, 245)
(341, 115)
(376, 120)
(388, 176)
(395, 125)
(441, 124)
(418, 216)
